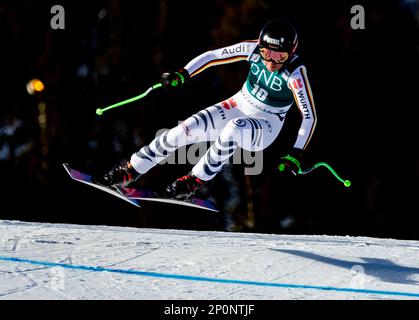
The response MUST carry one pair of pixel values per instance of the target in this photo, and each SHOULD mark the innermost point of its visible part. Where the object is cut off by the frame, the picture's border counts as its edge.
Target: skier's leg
(206, 125)
(249, 133)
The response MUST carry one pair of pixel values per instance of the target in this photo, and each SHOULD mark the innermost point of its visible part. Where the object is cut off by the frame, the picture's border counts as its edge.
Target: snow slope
(51, 261)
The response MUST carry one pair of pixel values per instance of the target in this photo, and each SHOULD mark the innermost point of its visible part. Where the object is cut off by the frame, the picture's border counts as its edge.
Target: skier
(251, 119)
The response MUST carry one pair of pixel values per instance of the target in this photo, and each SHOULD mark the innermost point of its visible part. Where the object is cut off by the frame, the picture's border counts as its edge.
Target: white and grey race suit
(251, 119)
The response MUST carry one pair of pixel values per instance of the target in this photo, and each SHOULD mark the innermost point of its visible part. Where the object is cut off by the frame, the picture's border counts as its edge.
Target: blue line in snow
(205, 279)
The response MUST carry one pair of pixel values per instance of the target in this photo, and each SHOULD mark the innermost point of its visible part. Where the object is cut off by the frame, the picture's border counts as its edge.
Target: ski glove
(289, 165)
(173, 80)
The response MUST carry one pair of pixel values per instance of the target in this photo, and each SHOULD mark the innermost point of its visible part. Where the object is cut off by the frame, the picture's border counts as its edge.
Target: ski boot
(184, 188)
(120, 175)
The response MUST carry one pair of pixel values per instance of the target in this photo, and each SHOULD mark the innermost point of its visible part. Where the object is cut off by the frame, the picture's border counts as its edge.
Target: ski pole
(346, 183)
(101, 111)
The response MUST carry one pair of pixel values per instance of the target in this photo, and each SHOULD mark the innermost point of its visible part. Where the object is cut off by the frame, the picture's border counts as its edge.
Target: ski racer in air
(251, 119)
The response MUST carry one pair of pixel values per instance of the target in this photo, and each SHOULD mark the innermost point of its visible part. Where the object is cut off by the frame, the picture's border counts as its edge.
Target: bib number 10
(260, 93)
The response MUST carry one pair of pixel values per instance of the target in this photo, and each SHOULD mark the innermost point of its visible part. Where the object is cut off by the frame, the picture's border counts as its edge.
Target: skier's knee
(176, 136)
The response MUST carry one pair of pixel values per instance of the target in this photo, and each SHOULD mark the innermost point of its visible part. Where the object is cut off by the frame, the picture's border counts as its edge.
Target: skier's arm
(237, 52)
(298, 83)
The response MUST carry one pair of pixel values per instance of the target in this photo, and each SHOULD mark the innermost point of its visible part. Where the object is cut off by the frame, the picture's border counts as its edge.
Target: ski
(147, 195)
(89, 180)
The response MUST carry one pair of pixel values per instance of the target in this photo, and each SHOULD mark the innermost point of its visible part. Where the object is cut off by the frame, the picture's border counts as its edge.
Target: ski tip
(89, 180)
(67, 168)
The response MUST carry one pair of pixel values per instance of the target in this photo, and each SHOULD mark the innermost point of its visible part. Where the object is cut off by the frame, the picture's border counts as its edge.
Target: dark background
(364, 84)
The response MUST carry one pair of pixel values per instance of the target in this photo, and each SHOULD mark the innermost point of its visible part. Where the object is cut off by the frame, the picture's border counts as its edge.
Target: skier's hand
(173, 80)
(289, 165)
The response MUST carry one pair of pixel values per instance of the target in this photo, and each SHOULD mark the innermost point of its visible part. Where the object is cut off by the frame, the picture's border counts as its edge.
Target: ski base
(147, 195)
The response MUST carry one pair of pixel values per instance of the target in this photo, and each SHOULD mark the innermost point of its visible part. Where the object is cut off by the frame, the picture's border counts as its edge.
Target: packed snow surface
(54, 261)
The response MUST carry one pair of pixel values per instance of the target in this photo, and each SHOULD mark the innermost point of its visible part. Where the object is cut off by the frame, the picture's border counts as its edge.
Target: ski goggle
(273, 56)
